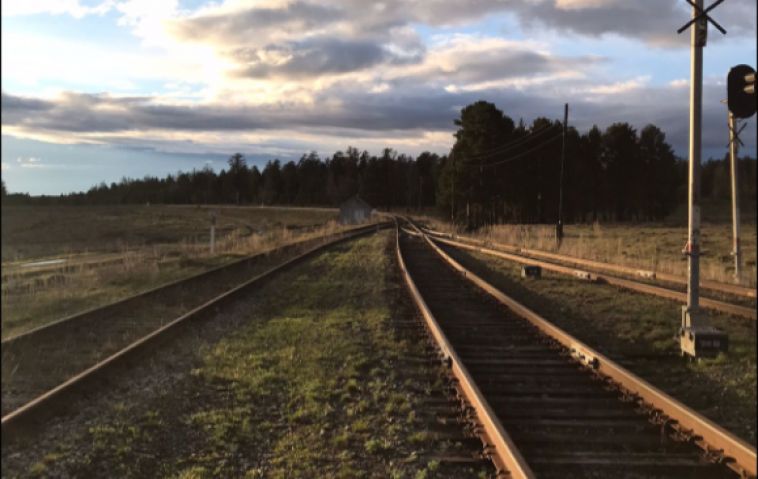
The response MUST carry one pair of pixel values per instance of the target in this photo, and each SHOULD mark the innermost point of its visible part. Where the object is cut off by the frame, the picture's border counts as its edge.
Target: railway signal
(696, 336)
(734, 142)
(740, 87)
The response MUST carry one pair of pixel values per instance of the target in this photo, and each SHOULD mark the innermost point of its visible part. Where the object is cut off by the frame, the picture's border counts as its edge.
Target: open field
(656, 247)
(42, 231)
(114, 252)
(253, 392)
(638, 331)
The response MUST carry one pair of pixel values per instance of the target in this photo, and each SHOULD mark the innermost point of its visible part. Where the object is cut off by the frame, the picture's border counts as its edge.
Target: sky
(99, 90)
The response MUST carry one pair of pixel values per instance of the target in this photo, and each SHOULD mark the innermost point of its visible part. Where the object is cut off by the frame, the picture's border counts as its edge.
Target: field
(61, 260)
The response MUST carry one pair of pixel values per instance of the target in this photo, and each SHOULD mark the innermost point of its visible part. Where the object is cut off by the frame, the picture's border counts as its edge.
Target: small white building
(354, 210)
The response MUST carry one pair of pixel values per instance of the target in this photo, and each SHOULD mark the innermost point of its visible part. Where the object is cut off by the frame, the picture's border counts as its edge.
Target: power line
(511, 145)
(520, 155)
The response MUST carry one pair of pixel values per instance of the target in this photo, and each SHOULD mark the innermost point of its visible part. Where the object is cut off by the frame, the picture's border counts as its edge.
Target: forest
(496, 171)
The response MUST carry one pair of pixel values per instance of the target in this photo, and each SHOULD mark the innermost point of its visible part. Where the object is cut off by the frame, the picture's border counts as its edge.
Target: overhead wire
(513, 144)
(516, 157)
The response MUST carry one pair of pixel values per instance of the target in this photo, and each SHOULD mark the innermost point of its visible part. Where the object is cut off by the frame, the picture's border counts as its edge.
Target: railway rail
(732, 289)
(594, 275)
(70, 354)
(546, 404)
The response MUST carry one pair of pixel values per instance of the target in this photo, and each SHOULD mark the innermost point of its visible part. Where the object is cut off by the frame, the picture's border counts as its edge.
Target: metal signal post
(696, 337)
(733, 149)
(696, 113)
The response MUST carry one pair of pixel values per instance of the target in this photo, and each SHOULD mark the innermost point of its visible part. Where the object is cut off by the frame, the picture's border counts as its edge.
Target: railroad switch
(698, 339)
(528, 271)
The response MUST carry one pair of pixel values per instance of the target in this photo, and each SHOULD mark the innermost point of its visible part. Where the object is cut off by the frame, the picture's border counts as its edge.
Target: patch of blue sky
(116, 87)
(104, 28)
(629, 59)
(60, 168)
(501, 25)
(192, 5)
(38, 167)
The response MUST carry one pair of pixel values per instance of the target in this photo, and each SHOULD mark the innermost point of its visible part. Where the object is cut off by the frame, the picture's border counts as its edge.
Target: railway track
(593, 275)
(548, 405)
(42, 368)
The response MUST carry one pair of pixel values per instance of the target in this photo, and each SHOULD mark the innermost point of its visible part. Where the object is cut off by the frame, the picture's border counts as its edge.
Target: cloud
(315, 74)
(652, 21)
(309, 58)
(617, 88)
(411, 115)
(250, 24)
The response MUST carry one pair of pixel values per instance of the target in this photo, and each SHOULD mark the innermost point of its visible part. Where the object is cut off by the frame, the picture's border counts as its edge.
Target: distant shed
(354, 210)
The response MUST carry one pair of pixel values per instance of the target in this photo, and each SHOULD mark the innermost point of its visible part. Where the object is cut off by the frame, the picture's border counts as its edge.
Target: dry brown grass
(31, 298)
(649, 246)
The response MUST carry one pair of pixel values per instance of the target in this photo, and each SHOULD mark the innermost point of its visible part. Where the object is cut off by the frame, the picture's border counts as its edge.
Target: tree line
(497, 171)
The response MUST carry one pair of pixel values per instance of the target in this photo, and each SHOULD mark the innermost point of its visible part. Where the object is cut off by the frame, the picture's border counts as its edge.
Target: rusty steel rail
(47, 403)
(722, 306)
(65, 321)
(734, 289)
(505, 456)
(739, 455)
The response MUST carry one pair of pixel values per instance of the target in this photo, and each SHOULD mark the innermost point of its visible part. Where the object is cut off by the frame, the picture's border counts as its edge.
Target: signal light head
(740, 85)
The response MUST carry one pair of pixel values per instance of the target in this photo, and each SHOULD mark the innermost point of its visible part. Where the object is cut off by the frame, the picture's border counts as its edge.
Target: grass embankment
(639, 330)
(656, 247)
(31, 300)
(311, 377)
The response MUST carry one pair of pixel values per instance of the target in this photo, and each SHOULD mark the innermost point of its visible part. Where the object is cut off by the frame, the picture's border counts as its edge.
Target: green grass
(313, 384)
(639, 330)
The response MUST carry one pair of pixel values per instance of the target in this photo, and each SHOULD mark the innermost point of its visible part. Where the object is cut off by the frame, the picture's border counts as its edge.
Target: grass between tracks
(639, 331)
(312, 384)
(29, 301)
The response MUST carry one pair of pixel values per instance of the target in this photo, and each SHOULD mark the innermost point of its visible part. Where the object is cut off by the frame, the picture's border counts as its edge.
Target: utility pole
(452, 200)
(696, 337)
(213, 232)
(733, 149)
(559, 226)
